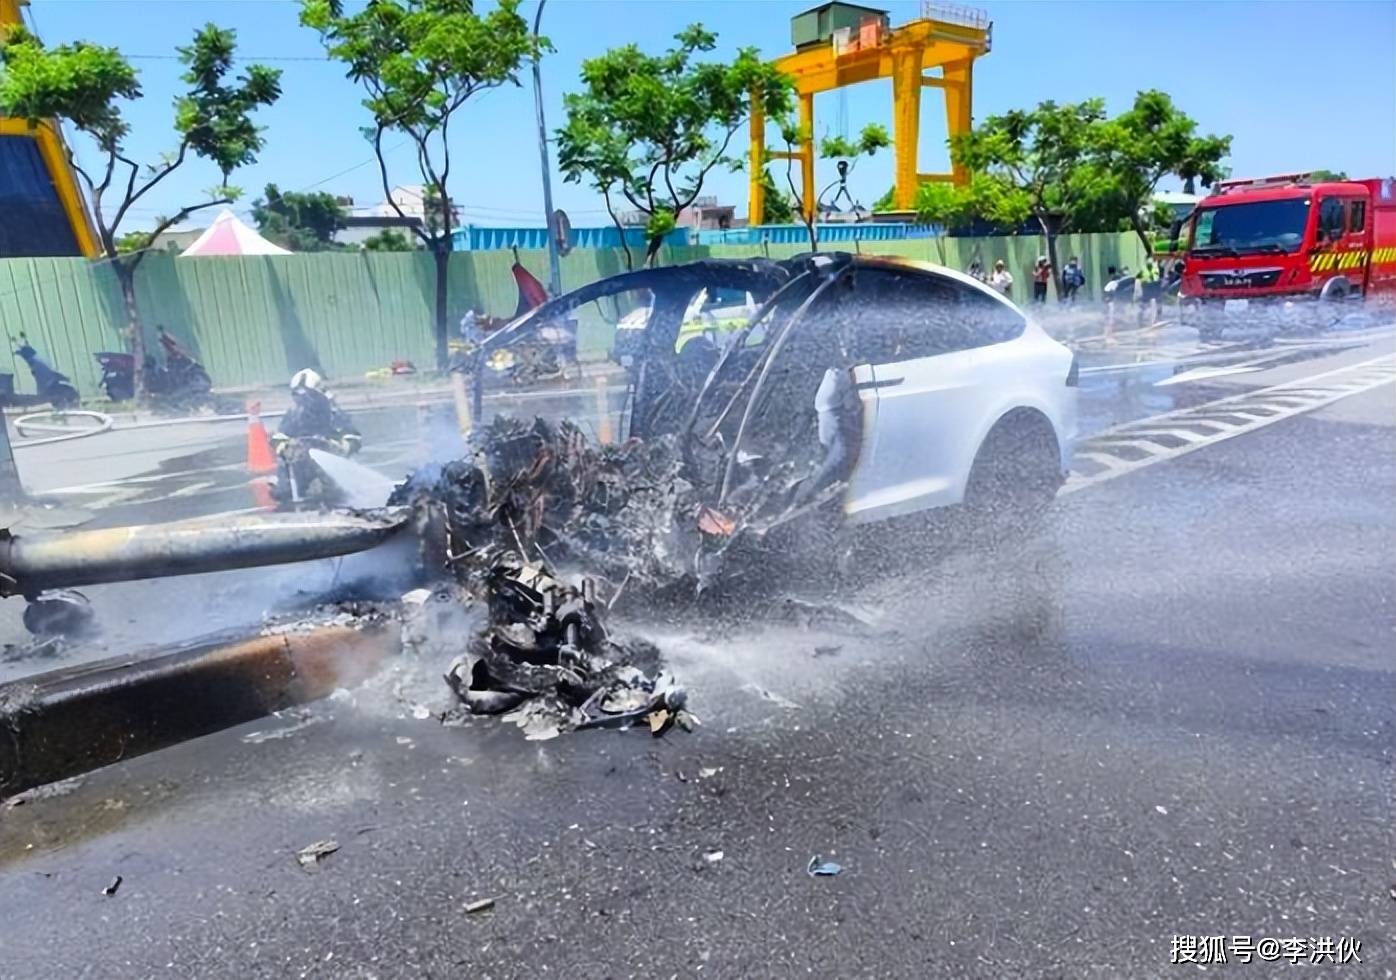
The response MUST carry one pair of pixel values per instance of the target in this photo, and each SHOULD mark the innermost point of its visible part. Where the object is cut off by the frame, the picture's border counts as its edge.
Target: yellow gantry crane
(39, 194)
(838, 44)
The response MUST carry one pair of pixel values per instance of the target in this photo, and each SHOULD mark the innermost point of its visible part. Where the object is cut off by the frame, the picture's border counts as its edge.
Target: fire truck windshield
(1259, 226)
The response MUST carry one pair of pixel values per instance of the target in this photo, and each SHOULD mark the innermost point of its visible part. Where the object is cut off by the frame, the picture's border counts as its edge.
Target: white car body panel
(924, 419)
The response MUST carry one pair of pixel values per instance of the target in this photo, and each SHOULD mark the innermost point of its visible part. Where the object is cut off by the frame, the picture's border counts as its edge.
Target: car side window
(1330, 219)
(1357, 216)
(900, 315)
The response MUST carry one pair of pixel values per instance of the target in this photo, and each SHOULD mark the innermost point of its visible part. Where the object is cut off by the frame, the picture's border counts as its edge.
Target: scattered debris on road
(828, 651)
(115, 884)
(819, 868)
(712, 857)
(544, 660)
(303, 719)
(480, 905)
(46, 792)
(309, 857)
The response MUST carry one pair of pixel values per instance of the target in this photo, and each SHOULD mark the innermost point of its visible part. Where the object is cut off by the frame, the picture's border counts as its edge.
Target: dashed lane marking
(1173, 434)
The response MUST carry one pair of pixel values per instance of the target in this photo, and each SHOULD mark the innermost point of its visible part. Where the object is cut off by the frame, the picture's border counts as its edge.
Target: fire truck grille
(1240, 279)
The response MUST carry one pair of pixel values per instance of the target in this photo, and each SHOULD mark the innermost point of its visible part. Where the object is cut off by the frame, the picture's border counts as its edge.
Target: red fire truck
(1288, 238)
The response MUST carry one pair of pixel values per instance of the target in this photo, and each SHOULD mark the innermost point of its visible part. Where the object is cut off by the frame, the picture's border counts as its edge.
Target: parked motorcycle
(181, 381)
(52, 387)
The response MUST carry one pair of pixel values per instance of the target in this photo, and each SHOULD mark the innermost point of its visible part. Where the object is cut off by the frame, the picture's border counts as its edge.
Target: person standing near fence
(1150, 288)
(1072, 280)
(1002, 279)
(1041, 275)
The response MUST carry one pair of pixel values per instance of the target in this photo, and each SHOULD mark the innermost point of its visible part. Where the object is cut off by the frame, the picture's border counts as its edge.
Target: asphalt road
(1171, 714)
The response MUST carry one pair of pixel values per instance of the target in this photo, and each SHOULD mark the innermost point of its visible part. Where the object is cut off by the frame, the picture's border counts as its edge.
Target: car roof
(755, 275)
(931, 268)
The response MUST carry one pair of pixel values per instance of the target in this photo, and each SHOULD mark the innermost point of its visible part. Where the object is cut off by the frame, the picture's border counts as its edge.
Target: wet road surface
(1173, 713)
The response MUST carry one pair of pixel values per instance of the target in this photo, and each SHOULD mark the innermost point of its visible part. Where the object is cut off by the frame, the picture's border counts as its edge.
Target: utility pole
(554, 261)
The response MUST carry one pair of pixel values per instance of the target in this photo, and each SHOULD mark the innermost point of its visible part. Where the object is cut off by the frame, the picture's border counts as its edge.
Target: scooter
(52, 386)
(181, 380)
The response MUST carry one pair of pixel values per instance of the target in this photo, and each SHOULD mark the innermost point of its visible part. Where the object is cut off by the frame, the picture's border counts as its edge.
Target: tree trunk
(1050, 229)
(135, 331)
(652, 250)
(441, 256)
(1144, 236)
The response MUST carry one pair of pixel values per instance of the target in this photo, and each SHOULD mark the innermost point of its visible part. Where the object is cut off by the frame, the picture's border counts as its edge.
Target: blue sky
(1298, 85)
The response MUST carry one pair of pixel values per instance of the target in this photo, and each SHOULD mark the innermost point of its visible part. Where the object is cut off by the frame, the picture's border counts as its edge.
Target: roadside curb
(74, 720)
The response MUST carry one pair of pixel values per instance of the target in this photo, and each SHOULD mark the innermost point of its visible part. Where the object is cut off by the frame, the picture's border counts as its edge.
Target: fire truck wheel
(1335, 290)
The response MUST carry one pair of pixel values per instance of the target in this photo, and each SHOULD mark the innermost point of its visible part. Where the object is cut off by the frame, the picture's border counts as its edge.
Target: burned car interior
(741, 408)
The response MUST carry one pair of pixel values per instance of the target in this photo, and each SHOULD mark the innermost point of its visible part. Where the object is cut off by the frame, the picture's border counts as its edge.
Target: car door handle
(879, 383)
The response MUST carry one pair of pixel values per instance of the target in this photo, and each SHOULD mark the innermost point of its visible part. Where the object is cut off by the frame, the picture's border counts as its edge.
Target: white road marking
(1205, 374)
(1287, 399)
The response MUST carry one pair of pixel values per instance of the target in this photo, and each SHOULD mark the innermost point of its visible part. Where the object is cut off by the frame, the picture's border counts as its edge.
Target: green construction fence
(255, 320)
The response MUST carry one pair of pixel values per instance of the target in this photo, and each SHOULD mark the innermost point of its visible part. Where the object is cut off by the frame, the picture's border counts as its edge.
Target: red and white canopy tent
(229, 236)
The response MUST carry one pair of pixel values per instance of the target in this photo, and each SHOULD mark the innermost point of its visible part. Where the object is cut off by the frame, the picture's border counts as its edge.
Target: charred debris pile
(549, 532)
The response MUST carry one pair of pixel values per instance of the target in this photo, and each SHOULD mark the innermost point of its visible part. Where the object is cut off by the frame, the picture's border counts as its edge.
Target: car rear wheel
(1015, 476)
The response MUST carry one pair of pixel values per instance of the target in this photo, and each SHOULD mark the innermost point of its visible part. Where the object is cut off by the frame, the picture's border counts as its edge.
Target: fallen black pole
(71, 721)
(32, 563)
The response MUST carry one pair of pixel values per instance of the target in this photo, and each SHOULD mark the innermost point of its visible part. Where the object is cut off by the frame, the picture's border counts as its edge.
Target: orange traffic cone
(260, 458)
(261, 495)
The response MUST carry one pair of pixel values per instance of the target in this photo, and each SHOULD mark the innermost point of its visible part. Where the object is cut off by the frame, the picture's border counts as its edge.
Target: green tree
(419, 62)
(873, 138)
(779, 210)
(302, 222)
(944, 204)
(648, 129)
(1037, 161)
(1324, 175)
(1136, 150)
(792, 134)
(87, 86)
(388, 240)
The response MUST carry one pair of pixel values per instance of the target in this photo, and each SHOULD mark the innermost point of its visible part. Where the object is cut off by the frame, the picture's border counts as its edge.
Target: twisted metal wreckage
(727, 465)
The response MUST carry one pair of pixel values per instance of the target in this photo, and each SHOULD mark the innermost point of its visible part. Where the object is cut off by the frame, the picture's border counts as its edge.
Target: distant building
(411, 201)
(176, 241)
(359, 228)
(703, 213)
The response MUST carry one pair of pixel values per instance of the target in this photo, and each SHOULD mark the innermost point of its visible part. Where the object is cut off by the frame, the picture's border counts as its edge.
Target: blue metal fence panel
(476, 238)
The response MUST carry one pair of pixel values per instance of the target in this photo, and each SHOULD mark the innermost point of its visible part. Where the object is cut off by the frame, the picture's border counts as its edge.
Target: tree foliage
(648, 129)
(779, 209)
(1036, 161)
(1070, 168)
(873, 138)
(388, 240)
(1324, 175)
(302, 222)
(419, 62)
(87, 86)
(1138, 148)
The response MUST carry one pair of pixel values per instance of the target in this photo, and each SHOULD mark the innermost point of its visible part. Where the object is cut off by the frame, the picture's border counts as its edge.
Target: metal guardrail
(952, 13)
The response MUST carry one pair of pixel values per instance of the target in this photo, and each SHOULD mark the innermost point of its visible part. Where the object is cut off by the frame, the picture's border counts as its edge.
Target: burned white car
(905, 385)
